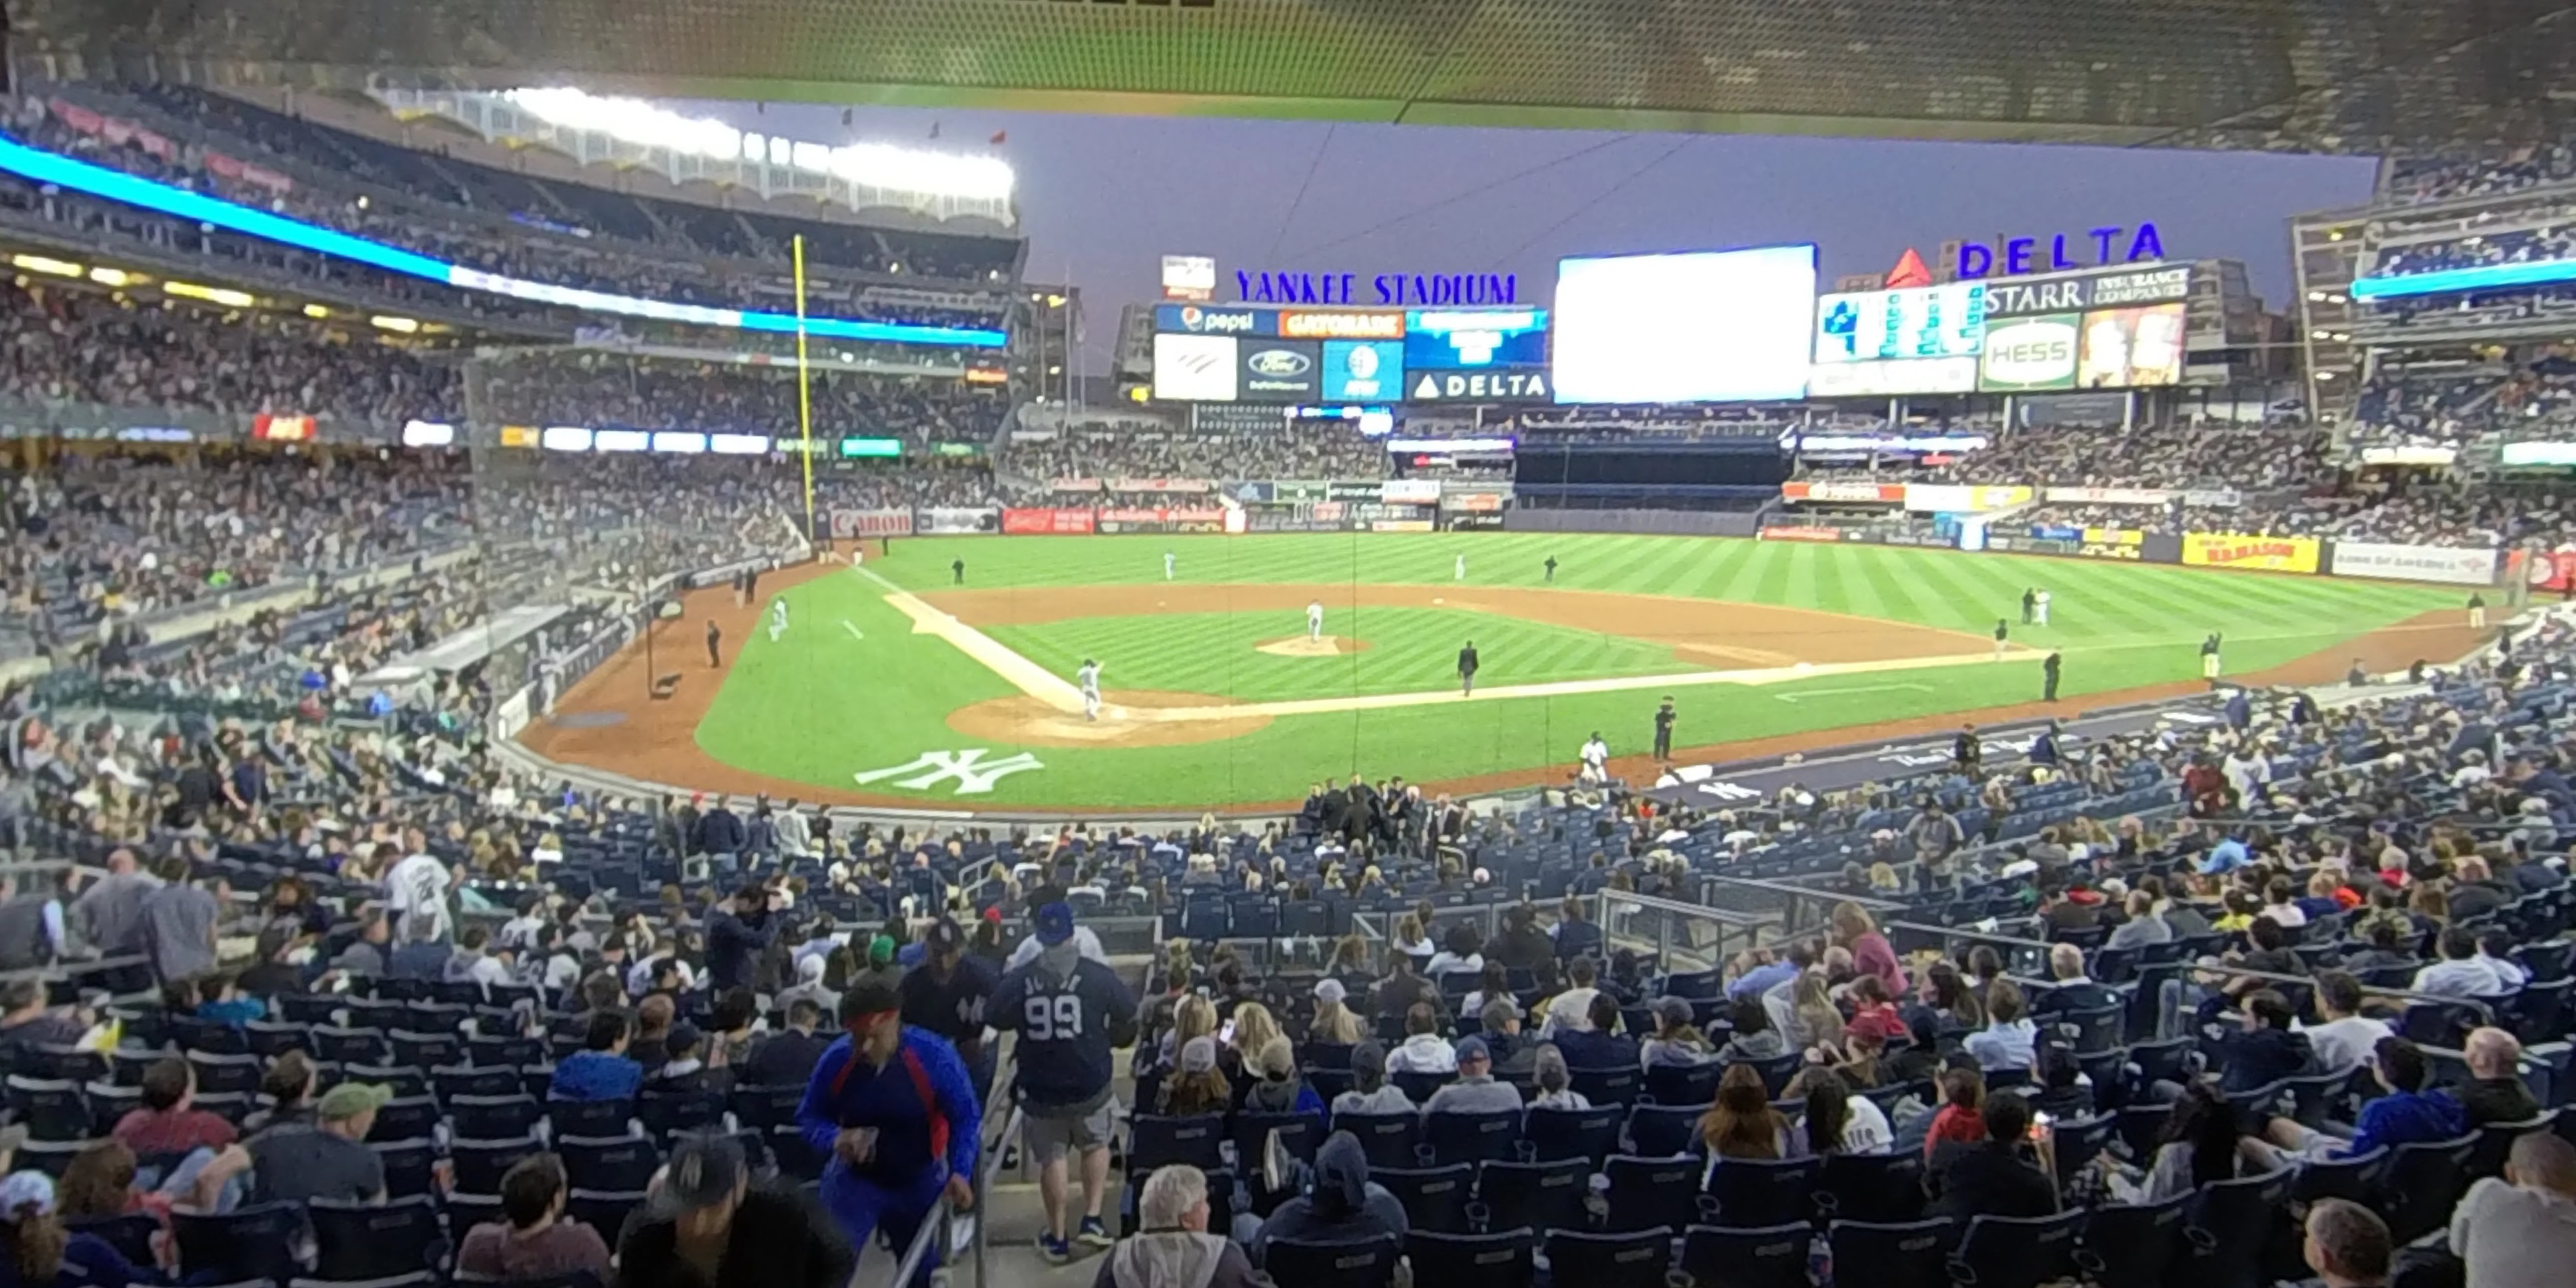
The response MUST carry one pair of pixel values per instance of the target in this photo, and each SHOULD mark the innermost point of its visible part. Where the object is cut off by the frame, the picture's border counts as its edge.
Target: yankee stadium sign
(1417, 290)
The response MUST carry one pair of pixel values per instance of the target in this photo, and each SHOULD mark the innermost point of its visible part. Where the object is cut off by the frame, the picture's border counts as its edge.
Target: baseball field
(907, 681)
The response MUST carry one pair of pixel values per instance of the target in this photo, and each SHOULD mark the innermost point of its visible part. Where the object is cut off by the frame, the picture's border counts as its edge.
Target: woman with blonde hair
(1195, 1086)
(1409, 939)
(1350, 957)
(1820, 1023)
(1192, 1017)
(1253, 1029)
(1335, 1024)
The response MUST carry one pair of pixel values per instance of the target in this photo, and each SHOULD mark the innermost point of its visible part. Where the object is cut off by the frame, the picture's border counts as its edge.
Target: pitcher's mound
(1300, 646)
(1023, 720)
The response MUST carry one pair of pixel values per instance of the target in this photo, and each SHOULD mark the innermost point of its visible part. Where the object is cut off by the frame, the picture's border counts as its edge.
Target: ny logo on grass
(973, 774)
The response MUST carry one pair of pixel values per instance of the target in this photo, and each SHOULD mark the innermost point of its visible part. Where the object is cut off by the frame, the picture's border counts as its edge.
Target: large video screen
(1705, 326)
(1196, 368)
(1946, 321)
(2126, 348)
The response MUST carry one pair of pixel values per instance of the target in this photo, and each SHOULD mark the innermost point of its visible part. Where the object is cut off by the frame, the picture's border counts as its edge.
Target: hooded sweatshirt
(1343, 1207)
(1177, 1259)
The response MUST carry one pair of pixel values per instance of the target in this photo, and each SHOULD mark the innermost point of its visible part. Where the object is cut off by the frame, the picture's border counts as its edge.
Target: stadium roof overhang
(2314, 75)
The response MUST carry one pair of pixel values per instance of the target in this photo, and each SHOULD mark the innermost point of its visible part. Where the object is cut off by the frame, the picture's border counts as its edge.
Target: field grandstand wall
(1678, 523)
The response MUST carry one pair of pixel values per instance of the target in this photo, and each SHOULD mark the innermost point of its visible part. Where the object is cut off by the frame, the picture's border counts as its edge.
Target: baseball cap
(1198, 1055)
(1368, 1059)
(1473, 1048)
(946, 936)
(1673, 1011)
(993, 915)
(26, 1190)
(682, 1036)
(703, 1173)
(1055, 923)
(880, 950)
(1330, 990)
(350, 1099)
(1278, 1057)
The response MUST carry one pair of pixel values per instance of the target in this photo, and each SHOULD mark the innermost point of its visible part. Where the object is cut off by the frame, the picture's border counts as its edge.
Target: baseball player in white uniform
(2039, 608)
(1596, 760)
(1167, 565)
(1460, 572)
(1315, 619)
(1089, 678)
(777, 619)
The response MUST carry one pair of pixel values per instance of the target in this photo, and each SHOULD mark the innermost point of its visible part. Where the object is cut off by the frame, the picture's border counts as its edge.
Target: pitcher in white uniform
(1315, 619)
(1089, 678)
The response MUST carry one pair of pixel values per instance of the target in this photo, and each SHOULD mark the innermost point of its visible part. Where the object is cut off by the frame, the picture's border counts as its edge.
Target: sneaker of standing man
(1069, 1012)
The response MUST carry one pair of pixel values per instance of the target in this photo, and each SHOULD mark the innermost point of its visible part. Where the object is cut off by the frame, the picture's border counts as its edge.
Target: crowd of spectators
(2180, 456)
(2436, 178)
(507, 223)
(2327, 869)
(74, 346)
(1325, 450)
(589, 388)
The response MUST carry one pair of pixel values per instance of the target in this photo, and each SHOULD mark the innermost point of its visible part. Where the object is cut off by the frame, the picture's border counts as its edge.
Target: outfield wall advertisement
(871, 523)
(2445, 564)
(2239, 550)
(956, 520)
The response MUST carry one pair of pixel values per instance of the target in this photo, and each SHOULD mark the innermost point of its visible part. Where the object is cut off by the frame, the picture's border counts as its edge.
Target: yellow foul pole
(804, 391)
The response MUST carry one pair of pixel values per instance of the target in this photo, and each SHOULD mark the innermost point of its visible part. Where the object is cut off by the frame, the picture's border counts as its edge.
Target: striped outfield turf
(820, 705)
(1410, 650)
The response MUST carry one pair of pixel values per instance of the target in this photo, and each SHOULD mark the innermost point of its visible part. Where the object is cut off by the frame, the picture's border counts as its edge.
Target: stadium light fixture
(316, 311)
(47, 264)
(211, 294)
(390, 322)
(879, 165)
(105, 276)
(43, 167)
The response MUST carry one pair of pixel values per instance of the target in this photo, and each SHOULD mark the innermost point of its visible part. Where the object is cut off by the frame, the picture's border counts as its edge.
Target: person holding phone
(896, 1110)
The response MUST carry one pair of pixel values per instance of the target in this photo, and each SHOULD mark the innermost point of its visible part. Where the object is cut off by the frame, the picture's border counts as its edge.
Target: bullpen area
(910, 680)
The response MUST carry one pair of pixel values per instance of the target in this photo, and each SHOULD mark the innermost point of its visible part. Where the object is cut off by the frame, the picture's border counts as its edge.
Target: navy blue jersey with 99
(1064, 1027)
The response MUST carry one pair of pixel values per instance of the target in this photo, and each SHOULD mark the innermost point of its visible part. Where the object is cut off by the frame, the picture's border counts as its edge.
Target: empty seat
(1542, 1196)
(1648, 1192)
(1366, 1264)
(1503, 1259)
(1911, 1254)
(1632, 1259)
(355, 1242)
(1434, 1198)
(609, 1165)
(1767, 1257)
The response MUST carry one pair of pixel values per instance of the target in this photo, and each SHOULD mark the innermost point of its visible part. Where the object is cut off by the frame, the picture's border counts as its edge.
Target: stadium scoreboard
(2114, 328)
(1286, 355)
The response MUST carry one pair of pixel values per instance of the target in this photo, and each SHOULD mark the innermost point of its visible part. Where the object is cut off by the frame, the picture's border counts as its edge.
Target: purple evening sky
(1102, 198)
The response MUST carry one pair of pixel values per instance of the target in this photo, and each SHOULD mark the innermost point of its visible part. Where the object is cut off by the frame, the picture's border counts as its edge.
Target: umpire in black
(1664, 729)
(1467, 669)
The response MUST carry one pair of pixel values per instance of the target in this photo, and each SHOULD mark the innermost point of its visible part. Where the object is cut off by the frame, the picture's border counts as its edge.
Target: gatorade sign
(2030, 353)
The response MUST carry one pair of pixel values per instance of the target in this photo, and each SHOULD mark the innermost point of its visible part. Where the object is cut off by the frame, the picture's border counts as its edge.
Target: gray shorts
(1050, 1136)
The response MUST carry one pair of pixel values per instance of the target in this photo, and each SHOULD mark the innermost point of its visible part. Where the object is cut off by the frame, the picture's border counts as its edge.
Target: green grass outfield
(852, 689)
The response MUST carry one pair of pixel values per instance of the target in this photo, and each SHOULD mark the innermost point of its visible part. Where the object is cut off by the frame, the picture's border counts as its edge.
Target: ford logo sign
(1279, 362)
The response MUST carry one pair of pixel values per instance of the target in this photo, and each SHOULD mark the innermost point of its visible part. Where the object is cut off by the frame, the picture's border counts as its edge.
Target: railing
(1684, 937)
(935, 1232)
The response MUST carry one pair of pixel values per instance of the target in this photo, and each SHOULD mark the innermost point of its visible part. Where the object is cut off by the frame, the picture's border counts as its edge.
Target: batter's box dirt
(1024, 721)
(1300, 646)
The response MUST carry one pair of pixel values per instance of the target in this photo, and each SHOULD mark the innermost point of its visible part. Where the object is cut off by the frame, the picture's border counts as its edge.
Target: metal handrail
(934, 1232)
(2220, 968)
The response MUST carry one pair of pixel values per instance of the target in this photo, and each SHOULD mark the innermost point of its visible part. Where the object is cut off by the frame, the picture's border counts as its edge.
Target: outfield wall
(1676, 523)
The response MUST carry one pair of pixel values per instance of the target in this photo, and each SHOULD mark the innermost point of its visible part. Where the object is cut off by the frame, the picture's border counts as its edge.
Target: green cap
(881, 950)
(350, 1099)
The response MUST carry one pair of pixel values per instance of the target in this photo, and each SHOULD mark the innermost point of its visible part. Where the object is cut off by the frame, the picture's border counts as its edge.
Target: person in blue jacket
(893, 1107)
(2407, 1115)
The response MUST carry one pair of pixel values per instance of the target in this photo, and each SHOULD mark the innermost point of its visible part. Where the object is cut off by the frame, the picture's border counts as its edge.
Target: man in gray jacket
(1173, 1248)
(1475, 1091)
